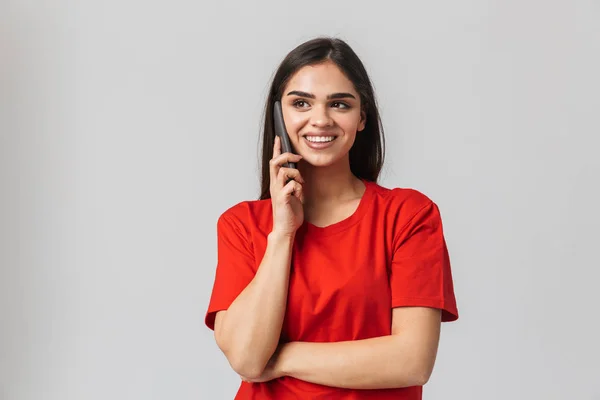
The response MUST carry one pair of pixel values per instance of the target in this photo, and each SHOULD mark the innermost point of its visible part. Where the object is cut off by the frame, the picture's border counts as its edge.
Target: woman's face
(322, 113)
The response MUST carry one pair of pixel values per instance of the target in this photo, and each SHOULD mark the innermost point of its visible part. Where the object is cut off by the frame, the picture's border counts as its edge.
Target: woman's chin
(319, 161)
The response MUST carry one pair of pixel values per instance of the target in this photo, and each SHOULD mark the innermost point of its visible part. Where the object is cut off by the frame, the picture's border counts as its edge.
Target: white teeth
(320, 138)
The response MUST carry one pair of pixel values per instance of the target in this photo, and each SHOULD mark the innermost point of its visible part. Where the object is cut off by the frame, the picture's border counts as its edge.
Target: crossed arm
(248, 334)
(404, 358)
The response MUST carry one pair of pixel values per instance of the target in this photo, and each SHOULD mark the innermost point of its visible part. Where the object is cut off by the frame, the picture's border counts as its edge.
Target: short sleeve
(235, 266)
(420, 270)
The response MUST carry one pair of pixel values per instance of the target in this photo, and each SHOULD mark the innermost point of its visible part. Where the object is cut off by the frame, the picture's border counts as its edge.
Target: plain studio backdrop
(127, 128)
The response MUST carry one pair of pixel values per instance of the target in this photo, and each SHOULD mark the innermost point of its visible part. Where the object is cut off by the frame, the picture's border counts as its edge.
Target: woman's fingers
(293, 188)
(284, 177)
(286, 157)
(276, 153)
(285, 174)
(285, 185)
(275, 164)
(277, 146)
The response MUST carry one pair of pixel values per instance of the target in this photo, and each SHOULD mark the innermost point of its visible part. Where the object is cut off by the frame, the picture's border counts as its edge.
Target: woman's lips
(318, 145)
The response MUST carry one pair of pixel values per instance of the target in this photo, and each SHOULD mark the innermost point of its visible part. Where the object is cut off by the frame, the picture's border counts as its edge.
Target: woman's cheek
(294, 128)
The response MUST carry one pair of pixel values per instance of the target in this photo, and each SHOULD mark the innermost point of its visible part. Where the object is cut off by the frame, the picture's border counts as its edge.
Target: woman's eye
(300, 103)
(341, 105)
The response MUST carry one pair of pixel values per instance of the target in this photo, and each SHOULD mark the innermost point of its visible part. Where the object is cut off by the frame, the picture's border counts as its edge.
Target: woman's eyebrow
(329, 97)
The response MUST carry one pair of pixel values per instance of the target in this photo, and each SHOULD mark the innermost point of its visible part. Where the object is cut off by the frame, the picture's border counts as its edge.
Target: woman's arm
(405, 358)
(248, 331)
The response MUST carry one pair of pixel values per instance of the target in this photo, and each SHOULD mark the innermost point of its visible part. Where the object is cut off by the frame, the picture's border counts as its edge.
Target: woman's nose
(320, 116)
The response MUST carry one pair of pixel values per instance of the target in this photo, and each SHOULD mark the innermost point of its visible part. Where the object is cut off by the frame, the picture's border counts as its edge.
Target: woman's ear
(363, 121)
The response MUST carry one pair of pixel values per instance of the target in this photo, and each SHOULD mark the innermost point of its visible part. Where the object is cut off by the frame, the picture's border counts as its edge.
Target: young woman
(329, 286)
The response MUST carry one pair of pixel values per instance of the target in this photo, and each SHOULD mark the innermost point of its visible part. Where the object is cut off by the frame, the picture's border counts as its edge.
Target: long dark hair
(367, 153)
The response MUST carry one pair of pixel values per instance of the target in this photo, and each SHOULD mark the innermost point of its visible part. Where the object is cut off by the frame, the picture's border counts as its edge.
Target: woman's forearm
(248, 332)
(378, 363)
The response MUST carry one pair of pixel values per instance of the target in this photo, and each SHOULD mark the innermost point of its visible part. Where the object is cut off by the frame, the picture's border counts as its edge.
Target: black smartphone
(286, 145)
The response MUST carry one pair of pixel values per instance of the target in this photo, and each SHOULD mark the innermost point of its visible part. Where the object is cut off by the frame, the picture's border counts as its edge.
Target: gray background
(117, 128)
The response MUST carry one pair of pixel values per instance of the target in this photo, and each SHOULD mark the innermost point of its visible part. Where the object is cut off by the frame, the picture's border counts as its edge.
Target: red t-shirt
(345, 278)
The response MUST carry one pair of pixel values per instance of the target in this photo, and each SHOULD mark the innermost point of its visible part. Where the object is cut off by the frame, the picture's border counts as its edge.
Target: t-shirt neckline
(347, 222)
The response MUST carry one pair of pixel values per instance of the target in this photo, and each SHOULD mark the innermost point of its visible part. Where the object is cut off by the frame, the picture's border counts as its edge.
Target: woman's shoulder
(247, 213)
(400, 197)
(405, 206)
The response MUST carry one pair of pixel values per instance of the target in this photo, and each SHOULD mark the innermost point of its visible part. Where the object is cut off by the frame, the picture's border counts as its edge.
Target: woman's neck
(331, 184)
